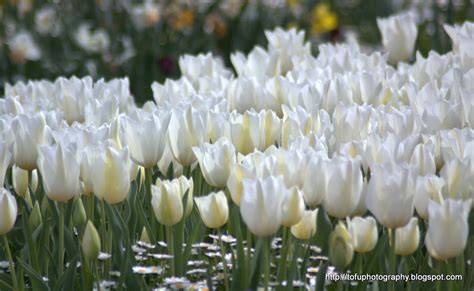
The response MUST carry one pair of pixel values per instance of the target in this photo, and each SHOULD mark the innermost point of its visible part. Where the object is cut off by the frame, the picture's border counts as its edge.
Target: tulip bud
(91, 242)
(306, 227)
(448, 228)
(34, 180)
(79, 216)
(35, 217)
(20, 180)
(407, 238)
(363, 233)
(213, 208)
(340, 247)
(8, 211)
(144, 236)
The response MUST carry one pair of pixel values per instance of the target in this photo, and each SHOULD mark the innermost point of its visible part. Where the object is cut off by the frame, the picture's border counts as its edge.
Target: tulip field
(345, 169)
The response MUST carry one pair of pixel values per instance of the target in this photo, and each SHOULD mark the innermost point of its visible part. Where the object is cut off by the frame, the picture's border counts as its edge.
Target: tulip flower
(260, 205)
(390, 194)
(20, 180)
(407, 238)
(448, 228)
(8, 211)
(146, 137)
(364, 233)
(5, 158)
(110, 175)
(427, 188)
(423, 158)
(315, 181)
(213, 208)
(186, 130)
(60, 170)
(271, 128)
(216, 161)
(235, 182)
(344, 187)
(292, 207)
(398, 36)
(245, 131)
(167, 199)
(91, 242)
(306, 227)
(30, 131)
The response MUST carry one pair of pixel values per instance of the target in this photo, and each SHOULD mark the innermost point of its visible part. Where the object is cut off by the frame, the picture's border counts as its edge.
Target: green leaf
(323, 229)
(33, 275)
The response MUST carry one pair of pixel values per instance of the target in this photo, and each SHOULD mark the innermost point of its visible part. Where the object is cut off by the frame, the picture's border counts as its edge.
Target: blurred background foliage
(144, 39)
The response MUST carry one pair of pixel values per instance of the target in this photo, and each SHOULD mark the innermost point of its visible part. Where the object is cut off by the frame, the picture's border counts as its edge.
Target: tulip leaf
(3, 282)
(256, 265)
(33, 275)
(323, 229)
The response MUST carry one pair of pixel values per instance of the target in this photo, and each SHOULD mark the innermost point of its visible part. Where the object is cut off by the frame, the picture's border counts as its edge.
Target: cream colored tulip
(213, 209)
(364, 233)
(166, 202)
(60, 170)
(293, 207)
(110, 175)
(236, 178)
(216, 161)
(20, 180)
(448, 228)
(407, 238)
(306, 227)
(245, 131)
(8, 211)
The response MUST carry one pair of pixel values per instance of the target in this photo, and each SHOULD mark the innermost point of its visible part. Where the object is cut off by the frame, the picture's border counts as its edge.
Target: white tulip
(390, 194)
(427, 188)
(315, 181)
(448, 228)
(8, 211)
(60, 169)
(344, 187)
(5, 159)
(398, 36)
(235, 182)
(407, 238)
(216, 161)
(186, 130)
(146, 136)
(261, 205)
(245, 131)
(293, 207)
(30, 131)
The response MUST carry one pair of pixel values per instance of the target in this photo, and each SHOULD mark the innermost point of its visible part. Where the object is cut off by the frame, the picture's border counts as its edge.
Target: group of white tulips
(375, 150)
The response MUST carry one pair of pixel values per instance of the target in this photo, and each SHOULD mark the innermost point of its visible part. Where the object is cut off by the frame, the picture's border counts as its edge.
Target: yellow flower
(184, 19)
(323, 19)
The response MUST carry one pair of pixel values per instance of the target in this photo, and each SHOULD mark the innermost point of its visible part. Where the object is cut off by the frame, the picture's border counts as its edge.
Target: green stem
(169, 241)
(107, 236)
(97, 276)
(266, 261)
(178, 248)
(393, 259)
(12, 266)
(148, 183)
(226, 272)
(61, 238)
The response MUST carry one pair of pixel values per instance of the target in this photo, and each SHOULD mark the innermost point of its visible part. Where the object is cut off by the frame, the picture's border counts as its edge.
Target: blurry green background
(144, 39)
